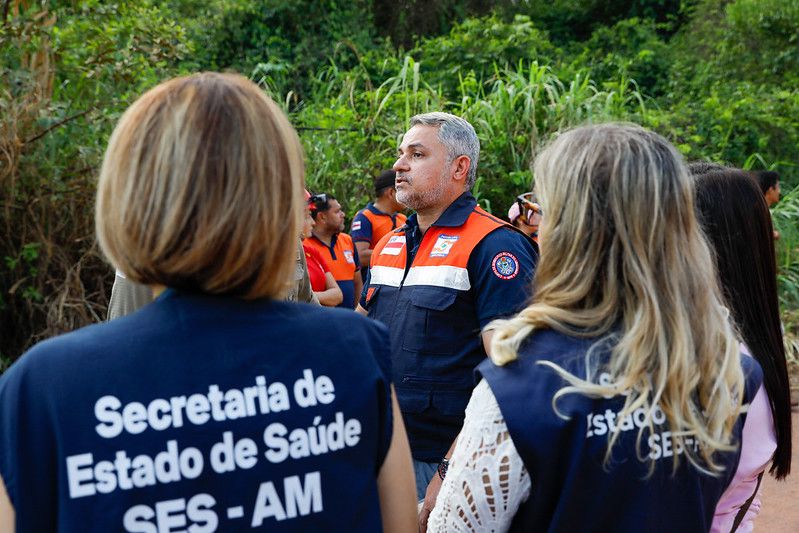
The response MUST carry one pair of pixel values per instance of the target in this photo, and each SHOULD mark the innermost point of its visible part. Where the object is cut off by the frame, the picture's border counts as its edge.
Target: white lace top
(487, 480)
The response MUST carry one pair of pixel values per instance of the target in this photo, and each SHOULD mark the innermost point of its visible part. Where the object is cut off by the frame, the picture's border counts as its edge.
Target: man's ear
(460, 168)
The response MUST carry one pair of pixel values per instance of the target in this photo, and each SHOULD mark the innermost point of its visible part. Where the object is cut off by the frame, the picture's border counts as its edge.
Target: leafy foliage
(65, 76)
(478, 48)
(289, 39)
(720, 79)
(514, 112)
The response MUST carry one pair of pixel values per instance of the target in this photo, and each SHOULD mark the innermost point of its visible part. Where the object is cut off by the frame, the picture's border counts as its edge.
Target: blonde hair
(624, 258)
(201, 189)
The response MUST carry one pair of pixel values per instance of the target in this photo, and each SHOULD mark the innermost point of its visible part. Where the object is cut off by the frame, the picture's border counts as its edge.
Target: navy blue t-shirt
(200, 413)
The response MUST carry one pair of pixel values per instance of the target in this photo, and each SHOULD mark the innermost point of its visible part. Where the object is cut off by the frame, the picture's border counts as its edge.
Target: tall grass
(785, 215)
(353, 126)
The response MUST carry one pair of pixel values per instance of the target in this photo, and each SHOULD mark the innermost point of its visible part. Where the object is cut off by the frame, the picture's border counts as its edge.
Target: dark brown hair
(767, 179)
(736, 220)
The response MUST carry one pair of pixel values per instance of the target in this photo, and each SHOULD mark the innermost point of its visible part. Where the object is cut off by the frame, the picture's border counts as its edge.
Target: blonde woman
(218, 406)
(616, 400)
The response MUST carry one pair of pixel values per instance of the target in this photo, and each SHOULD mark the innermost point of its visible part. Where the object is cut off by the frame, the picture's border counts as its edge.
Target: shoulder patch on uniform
(443, 245)
(505, 265)
(356, 225)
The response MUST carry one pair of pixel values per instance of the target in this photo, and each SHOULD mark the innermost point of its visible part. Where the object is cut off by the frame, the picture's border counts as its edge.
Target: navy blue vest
(426, 301)
(572, 488)
(200, 413)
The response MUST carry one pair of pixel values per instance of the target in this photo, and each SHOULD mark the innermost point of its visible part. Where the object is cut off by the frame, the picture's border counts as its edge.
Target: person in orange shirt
(376, 219)
(323, 283)
(337, 248)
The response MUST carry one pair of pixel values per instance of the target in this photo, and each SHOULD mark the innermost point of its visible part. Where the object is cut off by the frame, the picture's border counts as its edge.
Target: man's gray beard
(417, 201)
(421, 201)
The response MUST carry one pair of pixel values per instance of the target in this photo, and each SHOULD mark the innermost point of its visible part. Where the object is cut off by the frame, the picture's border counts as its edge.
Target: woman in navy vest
(217, 406)
(735, 217)
(616, 400)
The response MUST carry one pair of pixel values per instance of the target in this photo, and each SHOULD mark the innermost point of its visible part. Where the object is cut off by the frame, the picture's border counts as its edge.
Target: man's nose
(400, 164)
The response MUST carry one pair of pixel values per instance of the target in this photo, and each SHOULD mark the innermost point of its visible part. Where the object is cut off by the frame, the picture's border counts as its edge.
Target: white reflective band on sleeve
(439, 276)
(383, 275)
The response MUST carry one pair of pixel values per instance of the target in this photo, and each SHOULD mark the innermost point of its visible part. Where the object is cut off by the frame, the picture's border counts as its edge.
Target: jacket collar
(333, 240)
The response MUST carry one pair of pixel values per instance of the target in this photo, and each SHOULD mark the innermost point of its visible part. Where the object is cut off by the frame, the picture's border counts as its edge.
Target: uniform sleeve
(501, 271)
(365, 289)
(758, 444)
(355, 257)
(361, 229)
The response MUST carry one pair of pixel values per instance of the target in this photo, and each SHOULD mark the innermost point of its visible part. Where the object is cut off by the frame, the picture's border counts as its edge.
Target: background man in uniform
(377, 219)
(438, 280)
(335, 246)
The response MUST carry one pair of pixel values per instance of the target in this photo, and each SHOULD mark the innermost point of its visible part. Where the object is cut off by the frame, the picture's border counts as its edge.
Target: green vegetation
(717, 78)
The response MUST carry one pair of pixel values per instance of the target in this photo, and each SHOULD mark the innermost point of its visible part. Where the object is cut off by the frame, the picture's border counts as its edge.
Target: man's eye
(417, 155)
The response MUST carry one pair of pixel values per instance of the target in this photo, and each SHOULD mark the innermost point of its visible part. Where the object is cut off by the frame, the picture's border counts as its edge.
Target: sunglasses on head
(528, 207)
(318, 201)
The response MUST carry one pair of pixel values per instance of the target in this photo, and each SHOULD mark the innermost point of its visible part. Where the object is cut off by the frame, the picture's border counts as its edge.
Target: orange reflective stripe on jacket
(442, 257)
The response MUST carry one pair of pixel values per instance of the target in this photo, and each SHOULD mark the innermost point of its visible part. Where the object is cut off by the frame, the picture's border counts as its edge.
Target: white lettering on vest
(301, 499)
(198, 409)
(317, 439)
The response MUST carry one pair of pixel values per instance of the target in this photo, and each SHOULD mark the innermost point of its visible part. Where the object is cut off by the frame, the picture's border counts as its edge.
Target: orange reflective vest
(442, 257)
(380, 222)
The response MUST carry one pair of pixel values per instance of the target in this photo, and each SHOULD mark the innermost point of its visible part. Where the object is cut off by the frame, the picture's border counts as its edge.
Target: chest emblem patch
(348, 257)
(505, 265)
(394, 245)
(443, 245)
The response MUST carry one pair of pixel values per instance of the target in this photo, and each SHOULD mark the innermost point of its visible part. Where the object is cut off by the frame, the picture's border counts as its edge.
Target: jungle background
(720, 79)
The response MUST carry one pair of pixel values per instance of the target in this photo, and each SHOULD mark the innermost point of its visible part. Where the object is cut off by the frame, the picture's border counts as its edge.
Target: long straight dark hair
(735, 217)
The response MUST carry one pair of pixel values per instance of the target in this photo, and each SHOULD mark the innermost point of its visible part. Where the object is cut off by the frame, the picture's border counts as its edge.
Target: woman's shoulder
(550, 343)
(342, 330)
(556, 346)
(41, 368)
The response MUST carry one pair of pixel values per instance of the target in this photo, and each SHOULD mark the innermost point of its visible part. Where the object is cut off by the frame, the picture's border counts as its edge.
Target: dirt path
(780, 511)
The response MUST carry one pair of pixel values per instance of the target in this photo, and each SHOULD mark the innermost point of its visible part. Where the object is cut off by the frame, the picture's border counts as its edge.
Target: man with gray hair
(438, 280)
